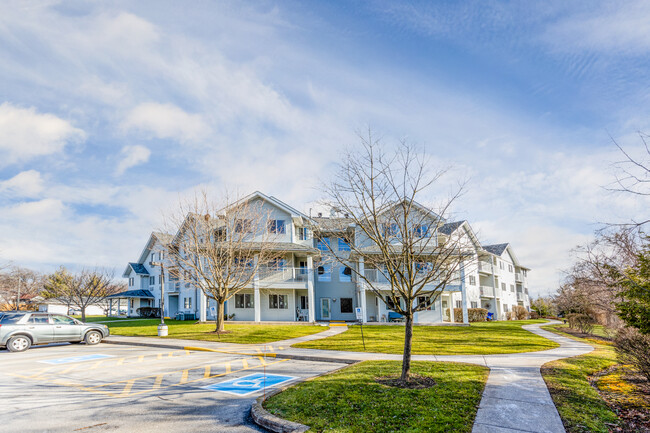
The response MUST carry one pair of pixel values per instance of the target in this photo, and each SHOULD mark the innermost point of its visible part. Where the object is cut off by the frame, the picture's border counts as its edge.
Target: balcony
(519, 277)
(172, 287)
(375, 276)
(487, 291)
(521, 296)
(485, 267)
(287, 277)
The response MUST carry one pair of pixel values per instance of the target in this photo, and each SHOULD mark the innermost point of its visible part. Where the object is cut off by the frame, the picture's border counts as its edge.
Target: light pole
(162, 328)
(18, 299)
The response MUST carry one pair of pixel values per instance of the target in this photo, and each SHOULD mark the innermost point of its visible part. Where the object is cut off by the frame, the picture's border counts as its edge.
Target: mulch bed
(415, 381)
(628, 394)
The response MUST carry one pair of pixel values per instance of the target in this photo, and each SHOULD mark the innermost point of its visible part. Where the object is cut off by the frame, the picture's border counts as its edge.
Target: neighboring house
(305, 286)
(58, 307)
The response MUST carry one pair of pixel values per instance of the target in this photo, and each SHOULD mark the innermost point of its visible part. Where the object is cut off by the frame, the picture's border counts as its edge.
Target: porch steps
(334, 323)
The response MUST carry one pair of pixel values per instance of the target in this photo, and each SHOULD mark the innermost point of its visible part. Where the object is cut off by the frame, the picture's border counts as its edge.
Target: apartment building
(305, 286)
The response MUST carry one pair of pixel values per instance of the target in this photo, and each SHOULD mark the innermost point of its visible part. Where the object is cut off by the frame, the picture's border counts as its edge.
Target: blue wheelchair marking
(249, 384)
(76, 359)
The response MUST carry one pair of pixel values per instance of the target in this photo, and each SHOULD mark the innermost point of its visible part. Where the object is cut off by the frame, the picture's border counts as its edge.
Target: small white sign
(359, 313)
(213, 311)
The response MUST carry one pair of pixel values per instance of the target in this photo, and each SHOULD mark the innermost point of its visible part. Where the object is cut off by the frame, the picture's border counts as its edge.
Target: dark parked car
(19, 330)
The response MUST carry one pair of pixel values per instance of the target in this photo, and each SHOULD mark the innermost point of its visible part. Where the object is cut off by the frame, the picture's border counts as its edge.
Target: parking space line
(207, 371)
(158, 381)
(184, 376)
(228, 369)
(127, 388)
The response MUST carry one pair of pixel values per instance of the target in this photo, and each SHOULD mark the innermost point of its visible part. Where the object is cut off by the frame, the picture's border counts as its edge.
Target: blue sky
(111, 111)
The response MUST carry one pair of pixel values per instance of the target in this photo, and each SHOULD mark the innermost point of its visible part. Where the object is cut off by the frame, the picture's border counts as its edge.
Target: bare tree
(395, 238)
(18, 284)
(222, 246)
(88, 287)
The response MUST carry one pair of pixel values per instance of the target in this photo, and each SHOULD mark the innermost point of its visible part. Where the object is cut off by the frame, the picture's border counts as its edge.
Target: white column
(110, 307)
(362, 290)
(203, 306)
(463, 291)
(257, 300)
(311, 313)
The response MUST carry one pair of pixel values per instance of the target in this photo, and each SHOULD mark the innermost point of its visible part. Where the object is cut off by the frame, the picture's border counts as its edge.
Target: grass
(349, 400)
(247, 334)
(580, 406)
(477, 339)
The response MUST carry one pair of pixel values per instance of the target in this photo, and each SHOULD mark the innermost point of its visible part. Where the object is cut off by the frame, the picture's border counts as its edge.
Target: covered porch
(127, 304)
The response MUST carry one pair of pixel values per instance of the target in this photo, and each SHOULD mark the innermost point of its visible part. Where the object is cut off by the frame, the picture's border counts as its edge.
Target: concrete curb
(271, 422)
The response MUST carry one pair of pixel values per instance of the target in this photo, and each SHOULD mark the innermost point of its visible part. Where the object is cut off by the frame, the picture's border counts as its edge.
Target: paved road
(66, 388)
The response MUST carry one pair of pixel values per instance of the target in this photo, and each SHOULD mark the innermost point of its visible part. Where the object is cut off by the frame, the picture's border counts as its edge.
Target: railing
(484, 267)
(518, 277)
(375, 276)
(283, 275)
(173, 286)
(487, 291)
(521, 296)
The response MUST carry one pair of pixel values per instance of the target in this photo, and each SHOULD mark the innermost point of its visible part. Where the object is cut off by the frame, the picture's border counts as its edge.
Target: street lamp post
(162, 328)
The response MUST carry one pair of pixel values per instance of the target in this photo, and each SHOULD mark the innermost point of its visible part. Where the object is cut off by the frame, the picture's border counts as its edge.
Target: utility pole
(162, 328)
(18, 298)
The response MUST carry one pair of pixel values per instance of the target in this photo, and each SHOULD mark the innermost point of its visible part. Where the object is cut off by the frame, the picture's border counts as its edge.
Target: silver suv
(20, 329)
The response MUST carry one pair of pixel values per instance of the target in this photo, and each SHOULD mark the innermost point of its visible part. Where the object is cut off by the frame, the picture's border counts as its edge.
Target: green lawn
(349, 400)
(251, 334)
(579, 404)
(479, 338)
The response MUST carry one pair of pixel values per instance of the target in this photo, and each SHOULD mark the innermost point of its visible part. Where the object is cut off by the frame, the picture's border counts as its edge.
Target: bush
(474, 314)
(520, 312)
(583, 322)
(633, 348)
(148, 312)
(511, 315)
(534, 315)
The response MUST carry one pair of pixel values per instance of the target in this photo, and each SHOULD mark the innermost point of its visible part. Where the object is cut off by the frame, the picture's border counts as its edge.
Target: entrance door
(325, 310)
(172, 307)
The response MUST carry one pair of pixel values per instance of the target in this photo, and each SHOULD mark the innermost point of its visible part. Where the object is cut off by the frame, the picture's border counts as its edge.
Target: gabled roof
(160, 237)
(279, 203)
(496, 249)
(449, 228)
(133, 294)
(333, 224)
(139, 268)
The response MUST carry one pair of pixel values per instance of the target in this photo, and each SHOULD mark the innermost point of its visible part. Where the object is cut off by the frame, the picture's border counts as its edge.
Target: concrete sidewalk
(515, 399)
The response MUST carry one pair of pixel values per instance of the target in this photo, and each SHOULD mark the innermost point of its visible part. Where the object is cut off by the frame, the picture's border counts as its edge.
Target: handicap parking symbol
(249, 384)
(80, 358)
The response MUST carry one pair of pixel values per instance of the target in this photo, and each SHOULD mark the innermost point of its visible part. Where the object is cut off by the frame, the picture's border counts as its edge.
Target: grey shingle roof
(497, 249)
(133, 294)
(163, 238)
(139, 268)
(333, 224)
(449, 228)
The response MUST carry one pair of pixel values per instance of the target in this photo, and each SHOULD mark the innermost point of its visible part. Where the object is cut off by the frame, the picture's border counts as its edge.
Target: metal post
(18, 299)
(162, 328)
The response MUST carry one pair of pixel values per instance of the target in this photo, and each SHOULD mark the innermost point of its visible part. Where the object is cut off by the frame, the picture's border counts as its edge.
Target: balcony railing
(484, 267)
(487, 291)
(173, 286)
(375, 276)
(283, 275)
(521, 296)
(519, 277)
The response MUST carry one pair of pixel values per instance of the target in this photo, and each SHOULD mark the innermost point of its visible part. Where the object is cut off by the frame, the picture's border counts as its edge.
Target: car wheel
(93, 337)
(19, 343)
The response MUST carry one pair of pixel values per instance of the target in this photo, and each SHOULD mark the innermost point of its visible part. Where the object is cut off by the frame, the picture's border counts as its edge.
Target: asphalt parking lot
(74, 387)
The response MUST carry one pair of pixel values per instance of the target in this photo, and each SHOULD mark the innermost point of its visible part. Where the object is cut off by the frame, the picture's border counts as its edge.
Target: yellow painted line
(228, 369)
(96, 365)
(159, 356)
(187, 352)
(207, 371)
(170, 354)
(184, 376)
(262, 360)
(120, 361)
(67, 370)
(158, 381)
(140, 358)
(127, 388)
(227, 352)
(281, 348)
(244, 363)
(271, 348)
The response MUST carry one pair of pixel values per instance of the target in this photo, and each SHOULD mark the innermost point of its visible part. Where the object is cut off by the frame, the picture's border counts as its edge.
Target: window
(423, 267)
(302, 233)
(343, 245)
(512, 288)
(219, 235)
(245, 262)
(422, 231)
(161, 255)
(472, 280)
(500, 264)
(345, 274)
(459, 304)
(276, 226)
(346, 305)
(474, 304)
(325, 273)
(152, 254)
(503, 286)
(323, 244)
(426, 303)
(389, 302)
(40, 319)
(244, 300)
(505, 308)
(304, 302)
(62, 320)
(390, 229)
(131, 281)
(187, 303)
(243, 226)
(132, 302)
(278, 302)
(510, 267)
(152, 281)
(276, 264)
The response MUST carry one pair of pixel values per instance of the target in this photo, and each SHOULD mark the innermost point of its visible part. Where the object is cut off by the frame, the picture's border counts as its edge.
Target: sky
(112, 111)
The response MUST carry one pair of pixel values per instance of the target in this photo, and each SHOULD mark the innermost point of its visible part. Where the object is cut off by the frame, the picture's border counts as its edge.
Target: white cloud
(132, 156)
(25, 134)
(25, 184)
(166, 121)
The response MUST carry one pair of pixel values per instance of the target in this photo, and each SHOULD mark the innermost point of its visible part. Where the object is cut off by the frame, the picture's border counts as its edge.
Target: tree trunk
(83, 314)
(408, 339)
(219, 319)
